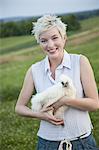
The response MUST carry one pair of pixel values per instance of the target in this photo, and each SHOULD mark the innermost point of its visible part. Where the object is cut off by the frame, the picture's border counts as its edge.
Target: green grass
(16, 133)
(17, 55)
(13, 44)
(90, 23)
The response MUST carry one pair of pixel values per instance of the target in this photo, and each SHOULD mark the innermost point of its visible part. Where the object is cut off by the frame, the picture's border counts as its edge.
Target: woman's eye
(43, 41)
(55, 38)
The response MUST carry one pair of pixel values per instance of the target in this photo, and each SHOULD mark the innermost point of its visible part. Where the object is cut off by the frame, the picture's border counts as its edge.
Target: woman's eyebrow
(54, 35)
(42, 38)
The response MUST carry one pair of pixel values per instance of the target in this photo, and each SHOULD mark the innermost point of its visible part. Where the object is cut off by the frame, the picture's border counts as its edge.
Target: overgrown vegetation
(72, 22)
(17, 55)
(24, 27)
(9, 29)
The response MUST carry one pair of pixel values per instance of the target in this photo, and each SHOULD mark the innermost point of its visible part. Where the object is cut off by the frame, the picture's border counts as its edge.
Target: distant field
(16, 55)
(13, 44)
(90, 24)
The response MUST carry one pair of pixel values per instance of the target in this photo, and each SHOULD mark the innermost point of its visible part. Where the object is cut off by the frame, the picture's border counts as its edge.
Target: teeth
(54, 50)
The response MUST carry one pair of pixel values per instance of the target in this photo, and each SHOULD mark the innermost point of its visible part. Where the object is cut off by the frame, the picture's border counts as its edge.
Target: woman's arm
(25, 95)
(21, 107)
(91, 100)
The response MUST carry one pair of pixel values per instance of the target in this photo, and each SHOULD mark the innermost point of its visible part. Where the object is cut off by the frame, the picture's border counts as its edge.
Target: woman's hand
(57, 104)
(47, 115)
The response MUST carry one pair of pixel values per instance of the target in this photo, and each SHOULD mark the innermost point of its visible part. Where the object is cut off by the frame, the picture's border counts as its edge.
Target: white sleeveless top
(77, 122)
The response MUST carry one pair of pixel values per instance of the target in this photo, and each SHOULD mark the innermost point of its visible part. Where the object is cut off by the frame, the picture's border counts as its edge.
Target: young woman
(76, 134)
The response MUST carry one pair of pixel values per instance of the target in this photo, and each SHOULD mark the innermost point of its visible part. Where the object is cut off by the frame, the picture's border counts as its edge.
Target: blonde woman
(76, 134)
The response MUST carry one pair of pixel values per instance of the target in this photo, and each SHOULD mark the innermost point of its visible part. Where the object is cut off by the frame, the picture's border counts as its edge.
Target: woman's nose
(50, 43)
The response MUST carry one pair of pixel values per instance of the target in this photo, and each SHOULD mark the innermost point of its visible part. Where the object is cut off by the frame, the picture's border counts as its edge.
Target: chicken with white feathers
(52, 94)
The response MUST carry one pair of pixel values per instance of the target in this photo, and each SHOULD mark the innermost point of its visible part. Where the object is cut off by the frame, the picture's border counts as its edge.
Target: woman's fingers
(45, 109)
(56, 105)
(57, 122)
(48, 113)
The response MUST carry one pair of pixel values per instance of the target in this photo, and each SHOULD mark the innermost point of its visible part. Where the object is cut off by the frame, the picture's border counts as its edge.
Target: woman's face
(52, 43)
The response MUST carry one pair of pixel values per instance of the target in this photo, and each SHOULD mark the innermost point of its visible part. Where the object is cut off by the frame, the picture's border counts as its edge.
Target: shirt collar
(65, 63)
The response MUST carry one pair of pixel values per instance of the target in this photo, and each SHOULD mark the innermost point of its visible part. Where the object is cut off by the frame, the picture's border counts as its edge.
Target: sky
(17, 8)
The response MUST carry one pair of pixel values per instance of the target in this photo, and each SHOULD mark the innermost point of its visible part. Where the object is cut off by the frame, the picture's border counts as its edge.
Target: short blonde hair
(45, 23)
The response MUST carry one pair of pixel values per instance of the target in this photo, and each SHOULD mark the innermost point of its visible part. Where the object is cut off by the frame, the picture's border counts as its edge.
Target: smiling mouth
(53, 50)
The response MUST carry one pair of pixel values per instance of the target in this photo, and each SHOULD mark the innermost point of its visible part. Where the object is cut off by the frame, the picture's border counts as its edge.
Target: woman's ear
(65, 37)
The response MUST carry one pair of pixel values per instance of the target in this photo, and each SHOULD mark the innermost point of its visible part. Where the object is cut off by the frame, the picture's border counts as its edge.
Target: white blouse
(77, 122)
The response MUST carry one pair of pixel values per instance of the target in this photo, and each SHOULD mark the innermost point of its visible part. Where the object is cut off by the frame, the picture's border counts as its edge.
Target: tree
(24, 27)
(71, 21)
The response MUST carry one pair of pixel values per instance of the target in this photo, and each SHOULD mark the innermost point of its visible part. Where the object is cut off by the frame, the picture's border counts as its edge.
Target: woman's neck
(54, 63)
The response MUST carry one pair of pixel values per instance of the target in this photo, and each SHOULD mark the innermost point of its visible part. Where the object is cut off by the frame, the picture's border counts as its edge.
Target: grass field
(16, 55)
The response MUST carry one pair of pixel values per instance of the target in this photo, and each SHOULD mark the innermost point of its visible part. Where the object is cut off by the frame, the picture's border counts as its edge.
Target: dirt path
(84, 37)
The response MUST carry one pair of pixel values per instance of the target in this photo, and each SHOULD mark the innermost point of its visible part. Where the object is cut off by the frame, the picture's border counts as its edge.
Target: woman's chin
(54, 54)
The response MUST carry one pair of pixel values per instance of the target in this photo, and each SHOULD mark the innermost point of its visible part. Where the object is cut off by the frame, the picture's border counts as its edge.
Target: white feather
(53, 94)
